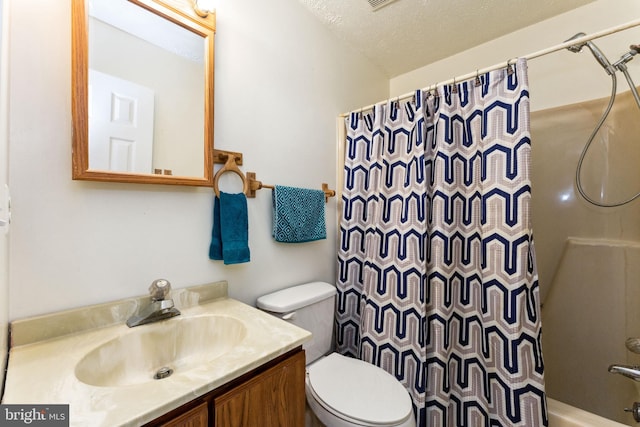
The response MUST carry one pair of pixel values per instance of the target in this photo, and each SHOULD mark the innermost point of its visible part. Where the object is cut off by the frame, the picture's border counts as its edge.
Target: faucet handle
(635, 411)
(159, 289)
(633, 345)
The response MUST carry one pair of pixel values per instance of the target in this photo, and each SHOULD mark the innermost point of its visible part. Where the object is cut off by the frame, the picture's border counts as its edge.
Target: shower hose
(620, 65)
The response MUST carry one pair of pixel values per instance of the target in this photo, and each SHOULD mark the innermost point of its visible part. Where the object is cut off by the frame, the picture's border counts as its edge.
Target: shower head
(597, 53)
(575, 48)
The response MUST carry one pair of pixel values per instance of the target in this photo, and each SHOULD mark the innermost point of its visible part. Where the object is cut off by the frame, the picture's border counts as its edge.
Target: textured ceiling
(408, 34)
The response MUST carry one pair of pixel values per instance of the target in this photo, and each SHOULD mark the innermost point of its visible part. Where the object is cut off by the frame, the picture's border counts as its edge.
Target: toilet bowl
(346, 392)
(341, 391)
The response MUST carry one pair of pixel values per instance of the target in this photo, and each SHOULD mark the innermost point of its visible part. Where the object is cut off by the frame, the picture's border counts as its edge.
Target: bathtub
(560, 415)
(563, 415)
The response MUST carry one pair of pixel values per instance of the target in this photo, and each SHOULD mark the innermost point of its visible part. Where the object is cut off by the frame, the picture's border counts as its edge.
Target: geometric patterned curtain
(437, 281)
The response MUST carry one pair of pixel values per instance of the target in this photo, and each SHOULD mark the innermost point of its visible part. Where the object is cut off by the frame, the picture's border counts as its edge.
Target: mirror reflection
(146, 92)
(149, 91)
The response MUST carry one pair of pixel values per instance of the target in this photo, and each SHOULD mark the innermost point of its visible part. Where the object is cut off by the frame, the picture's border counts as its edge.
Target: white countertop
(42, 372)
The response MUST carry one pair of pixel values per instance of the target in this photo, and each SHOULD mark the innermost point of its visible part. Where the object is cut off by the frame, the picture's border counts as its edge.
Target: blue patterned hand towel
(230, 233)
(298, 215)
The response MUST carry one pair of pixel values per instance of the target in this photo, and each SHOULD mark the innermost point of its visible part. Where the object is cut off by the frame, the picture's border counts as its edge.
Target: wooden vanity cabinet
(195, 417)
(274, 397)
(269, 396)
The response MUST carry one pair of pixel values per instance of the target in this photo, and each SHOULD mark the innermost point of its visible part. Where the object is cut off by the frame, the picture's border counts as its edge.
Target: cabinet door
(274, 398)
(196, 417)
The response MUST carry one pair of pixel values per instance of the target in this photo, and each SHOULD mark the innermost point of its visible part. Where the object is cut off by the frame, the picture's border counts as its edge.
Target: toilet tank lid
(295, 297)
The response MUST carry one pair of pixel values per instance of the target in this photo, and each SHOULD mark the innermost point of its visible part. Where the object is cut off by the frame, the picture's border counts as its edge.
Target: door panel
(121, 124)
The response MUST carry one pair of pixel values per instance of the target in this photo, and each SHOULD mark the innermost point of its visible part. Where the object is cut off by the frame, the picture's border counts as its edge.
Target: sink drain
(163, 372)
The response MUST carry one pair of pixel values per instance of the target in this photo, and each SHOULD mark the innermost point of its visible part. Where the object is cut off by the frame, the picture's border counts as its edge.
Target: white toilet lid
(359, 390)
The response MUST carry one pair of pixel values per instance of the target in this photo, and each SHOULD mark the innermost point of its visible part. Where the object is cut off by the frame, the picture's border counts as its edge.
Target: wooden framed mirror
(142, 92)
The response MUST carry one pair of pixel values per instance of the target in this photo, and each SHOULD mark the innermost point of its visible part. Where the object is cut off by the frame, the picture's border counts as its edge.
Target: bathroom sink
(160, 349)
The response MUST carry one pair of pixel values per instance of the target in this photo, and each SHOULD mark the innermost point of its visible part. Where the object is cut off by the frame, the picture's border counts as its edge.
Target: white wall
(281, 80)
(4, 174)
(556, 79)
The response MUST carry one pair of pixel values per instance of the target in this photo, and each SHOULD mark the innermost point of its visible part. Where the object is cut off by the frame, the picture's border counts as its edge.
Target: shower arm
(621, 65)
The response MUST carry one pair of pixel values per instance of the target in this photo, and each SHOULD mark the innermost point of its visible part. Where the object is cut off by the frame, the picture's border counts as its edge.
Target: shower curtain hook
(435, 91)
(509, 67)
(478, 82)
(454, 88)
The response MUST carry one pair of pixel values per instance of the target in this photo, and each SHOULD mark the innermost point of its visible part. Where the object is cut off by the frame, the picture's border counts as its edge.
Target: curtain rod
(532, 55)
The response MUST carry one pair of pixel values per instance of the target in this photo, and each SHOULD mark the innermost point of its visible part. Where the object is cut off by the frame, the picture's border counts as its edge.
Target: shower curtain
(437, 281)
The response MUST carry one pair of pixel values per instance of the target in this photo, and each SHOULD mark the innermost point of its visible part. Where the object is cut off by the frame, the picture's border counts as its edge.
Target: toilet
(341, 391)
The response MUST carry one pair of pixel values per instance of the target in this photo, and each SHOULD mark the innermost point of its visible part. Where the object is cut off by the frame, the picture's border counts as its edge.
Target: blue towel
(298, 215)
(230, 233)
(215, 248)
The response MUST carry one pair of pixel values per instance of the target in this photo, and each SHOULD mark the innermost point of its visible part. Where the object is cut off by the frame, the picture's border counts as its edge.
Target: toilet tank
(310, 306)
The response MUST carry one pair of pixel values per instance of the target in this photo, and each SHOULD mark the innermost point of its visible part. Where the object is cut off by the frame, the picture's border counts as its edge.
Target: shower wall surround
(588, 314)
(610, 173)
(590, 256)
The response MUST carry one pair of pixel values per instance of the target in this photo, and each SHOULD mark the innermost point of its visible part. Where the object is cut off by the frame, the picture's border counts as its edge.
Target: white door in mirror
(121, 115)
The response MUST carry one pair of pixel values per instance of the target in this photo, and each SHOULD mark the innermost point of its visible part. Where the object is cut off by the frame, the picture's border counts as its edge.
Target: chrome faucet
(160, 308)
(628, 371)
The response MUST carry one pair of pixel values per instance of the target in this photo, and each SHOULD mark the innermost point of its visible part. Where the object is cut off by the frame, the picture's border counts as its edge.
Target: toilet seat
(358, 392)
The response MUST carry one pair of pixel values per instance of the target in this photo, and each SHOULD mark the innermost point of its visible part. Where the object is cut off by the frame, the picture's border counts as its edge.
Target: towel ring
(230, 166)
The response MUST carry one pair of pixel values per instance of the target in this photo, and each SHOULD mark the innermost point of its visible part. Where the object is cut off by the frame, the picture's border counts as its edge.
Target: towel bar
(255, 185)
(250, 184)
